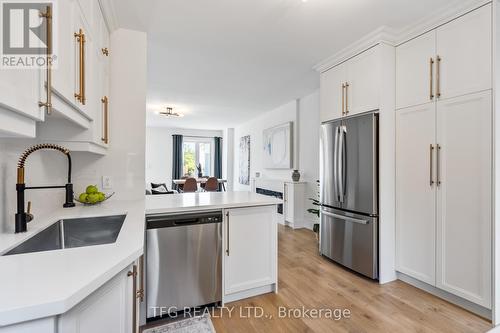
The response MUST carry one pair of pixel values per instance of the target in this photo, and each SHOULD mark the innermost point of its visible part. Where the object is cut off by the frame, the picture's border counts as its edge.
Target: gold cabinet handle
(343, 99)
(431, 154)
(105, 127)
(133, 273)
(431, 79)
(346, 98)
(80, 38)
(48, 103)
(227, 234)
(141, 279)
(438, 76)
(438, 164)
(105, 51)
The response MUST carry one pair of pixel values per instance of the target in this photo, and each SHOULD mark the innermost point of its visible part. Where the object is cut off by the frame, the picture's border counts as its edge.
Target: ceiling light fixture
(170, 113)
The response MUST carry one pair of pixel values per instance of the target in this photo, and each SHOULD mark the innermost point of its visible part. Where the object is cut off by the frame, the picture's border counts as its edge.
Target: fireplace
(271, 193)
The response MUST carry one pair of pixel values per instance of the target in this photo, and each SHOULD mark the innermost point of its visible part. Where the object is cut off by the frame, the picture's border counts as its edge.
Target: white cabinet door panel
(251, 262)
(64, 71)
(363, 77)
(415, 195)
(464, 197)
(413, 85)
(331, 92)
(106, 310)
(465, 48)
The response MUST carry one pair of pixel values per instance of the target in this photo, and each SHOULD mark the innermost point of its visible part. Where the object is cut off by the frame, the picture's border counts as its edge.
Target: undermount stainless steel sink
(70, 233)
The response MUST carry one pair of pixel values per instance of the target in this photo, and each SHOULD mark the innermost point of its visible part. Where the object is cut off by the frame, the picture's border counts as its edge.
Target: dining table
(222, 182)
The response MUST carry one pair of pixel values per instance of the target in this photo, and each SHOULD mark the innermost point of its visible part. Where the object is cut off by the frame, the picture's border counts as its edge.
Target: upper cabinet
(464, 54)
(414, 71)
(452, 60)
(363, 82)
(332, 87)
(353, 86)
(76, 85)
(81, 81)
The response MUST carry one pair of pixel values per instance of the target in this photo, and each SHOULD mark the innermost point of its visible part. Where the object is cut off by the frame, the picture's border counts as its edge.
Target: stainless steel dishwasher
(183, 262)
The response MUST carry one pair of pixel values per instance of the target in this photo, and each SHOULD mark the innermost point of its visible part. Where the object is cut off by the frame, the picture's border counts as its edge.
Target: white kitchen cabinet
(21, 89)
(88, 126)
(65, 69)
(464, 48)
(250, 250)
(451, 220)
(353, 86)
(331, 93)
(362, 92)
(415, 188)
(20, 92)
(444, 195)
(464, 197)
(294, 204)
(452, 60)
(112, 308)
(414, 63)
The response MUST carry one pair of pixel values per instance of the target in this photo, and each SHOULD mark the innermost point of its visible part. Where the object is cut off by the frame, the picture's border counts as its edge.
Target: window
(198, 151)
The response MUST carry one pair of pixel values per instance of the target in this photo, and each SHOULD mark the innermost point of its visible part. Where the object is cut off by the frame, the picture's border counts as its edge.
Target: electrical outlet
(107, 184)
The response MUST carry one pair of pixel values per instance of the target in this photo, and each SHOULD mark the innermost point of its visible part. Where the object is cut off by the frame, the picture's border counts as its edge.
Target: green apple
(92, 189)
(83, 197)
(93, 198)
(102, 196)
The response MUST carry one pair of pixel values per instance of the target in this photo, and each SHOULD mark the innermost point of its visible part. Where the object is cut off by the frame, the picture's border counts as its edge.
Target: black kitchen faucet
(22, 217)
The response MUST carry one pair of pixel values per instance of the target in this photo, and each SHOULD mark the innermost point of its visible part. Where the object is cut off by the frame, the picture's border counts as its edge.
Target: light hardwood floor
(309, 280)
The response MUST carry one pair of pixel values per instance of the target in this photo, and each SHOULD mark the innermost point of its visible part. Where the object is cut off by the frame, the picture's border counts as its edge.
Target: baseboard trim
(458, 301)
(249, 293)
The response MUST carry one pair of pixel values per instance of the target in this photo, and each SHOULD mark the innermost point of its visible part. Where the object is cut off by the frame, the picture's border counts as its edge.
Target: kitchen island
(249, 242)
(101, 286)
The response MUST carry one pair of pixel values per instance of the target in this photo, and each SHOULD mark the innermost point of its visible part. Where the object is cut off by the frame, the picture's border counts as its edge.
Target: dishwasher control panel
(174, 220)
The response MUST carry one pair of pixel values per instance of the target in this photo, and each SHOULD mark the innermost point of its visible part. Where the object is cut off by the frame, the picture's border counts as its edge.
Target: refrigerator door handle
(336, 164)
(345, 218)
(341, 168)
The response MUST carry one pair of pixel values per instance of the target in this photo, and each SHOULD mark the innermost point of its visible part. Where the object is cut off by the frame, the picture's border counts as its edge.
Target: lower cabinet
(112, 308)
(250, 251)
(444, 195)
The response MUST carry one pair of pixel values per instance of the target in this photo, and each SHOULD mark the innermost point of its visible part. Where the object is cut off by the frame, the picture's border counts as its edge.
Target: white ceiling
(222, 62)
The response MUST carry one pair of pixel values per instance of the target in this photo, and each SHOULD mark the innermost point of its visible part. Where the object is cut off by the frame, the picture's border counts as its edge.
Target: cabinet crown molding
(395, 37)
(109, 13)
(381, 35)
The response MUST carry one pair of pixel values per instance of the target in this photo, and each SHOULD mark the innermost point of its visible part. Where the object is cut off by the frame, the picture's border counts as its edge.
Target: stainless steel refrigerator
(349, 192)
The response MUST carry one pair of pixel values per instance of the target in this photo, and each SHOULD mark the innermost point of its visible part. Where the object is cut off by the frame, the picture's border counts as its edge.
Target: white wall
(305, 115)
(159, 151)
(254, 128)
(228, 158)
(125, 158)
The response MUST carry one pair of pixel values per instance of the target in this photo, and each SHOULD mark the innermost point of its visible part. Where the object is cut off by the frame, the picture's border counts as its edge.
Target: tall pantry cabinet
(444, 157)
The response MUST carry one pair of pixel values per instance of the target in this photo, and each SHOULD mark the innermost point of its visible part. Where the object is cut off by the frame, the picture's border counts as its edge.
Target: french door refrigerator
(349, 192)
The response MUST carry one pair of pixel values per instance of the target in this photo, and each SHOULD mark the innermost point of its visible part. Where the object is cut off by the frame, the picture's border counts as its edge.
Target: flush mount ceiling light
(169, 112)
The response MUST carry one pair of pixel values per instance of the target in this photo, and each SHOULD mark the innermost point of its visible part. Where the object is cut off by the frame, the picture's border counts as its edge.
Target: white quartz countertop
(42, 284)
(185, 202)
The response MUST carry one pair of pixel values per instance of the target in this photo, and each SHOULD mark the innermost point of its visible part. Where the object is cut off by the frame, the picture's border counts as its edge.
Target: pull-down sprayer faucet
(22, 218)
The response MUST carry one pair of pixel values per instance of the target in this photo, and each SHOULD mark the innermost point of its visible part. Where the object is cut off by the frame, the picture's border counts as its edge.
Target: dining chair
(190, 185)
(212, 185)
(180, 187)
